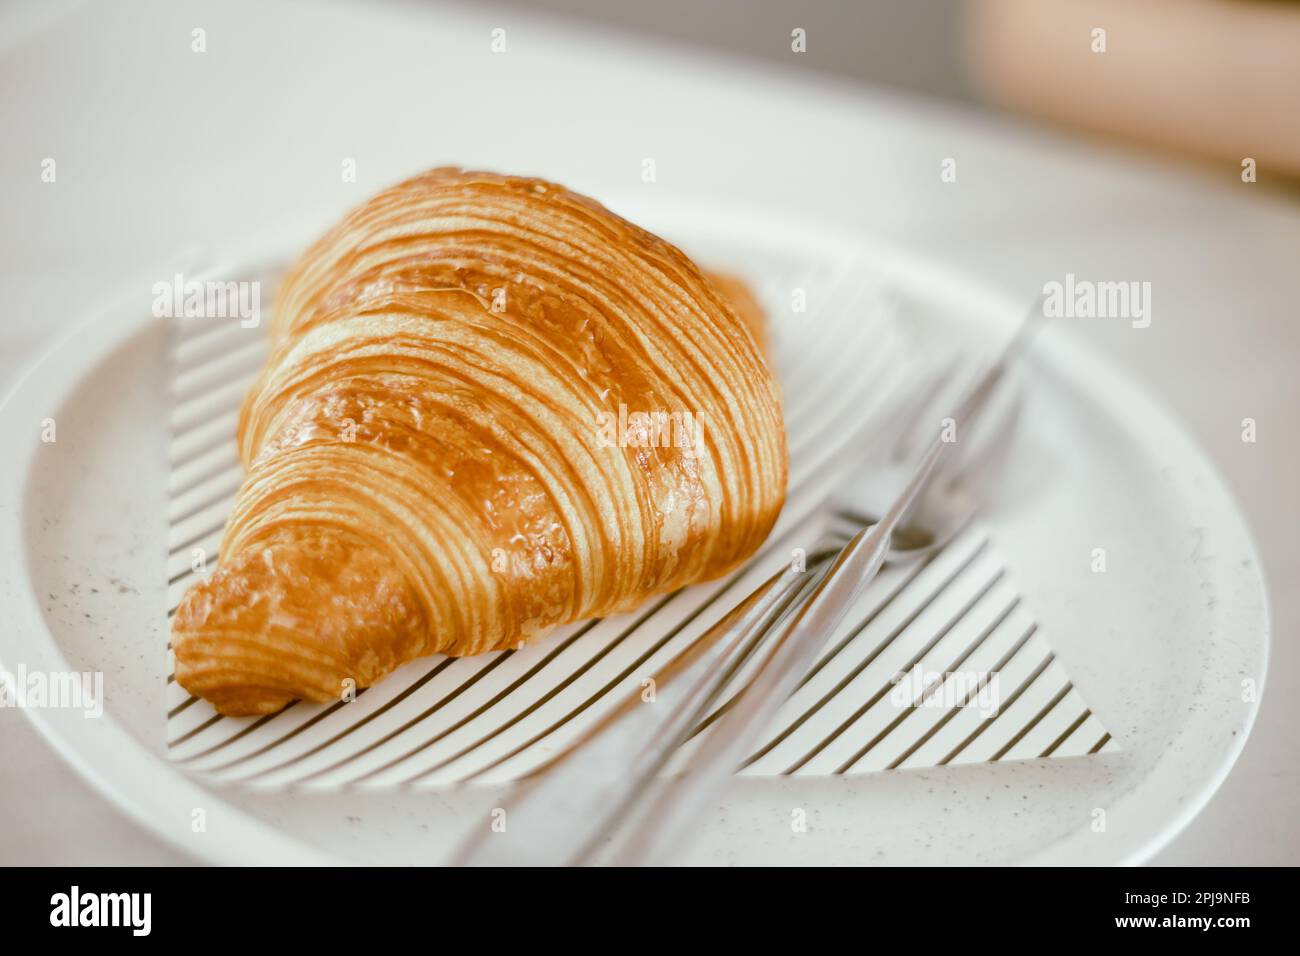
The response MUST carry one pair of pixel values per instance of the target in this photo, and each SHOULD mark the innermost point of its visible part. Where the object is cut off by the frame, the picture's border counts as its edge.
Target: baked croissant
(470, 429)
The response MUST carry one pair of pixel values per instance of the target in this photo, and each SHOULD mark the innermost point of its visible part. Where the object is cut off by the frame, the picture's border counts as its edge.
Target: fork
(568, 808)
(798, 641)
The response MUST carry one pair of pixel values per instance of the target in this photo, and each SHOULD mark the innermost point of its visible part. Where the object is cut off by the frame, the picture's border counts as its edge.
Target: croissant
(491, 407)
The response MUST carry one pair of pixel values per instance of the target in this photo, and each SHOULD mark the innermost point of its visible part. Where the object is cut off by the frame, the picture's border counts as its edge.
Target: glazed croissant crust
(492, 406)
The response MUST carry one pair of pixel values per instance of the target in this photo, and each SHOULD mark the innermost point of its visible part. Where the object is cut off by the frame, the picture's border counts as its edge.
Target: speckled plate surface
(1169, 643)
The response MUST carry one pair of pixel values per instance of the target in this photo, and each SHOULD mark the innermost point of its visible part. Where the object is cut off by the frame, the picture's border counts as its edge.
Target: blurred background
(1196, 78)
(1148, 139)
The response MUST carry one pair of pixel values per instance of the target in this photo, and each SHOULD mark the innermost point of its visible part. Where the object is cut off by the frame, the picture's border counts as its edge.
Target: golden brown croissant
(492, 406)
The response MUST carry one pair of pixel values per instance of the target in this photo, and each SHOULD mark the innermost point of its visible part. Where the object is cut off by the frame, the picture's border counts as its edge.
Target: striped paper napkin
(941, 662)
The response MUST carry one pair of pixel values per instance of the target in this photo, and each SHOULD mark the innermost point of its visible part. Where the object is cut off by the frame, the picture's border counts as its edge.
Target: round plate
(1168, 644)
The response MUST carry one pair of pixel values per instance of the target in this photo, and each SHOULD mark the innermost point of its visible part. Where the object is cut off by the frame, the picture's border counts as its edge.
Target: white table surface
(158, 147)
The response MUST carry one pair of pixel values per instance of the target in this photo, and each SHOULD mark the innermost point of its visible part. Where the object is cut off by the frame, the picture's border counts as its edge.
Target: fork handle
(560, 814)
(680, 802)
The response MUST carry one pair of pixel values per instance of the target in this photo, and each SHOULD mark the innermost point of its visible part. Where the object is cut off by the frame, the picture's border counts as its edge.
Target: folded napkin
(940, 662)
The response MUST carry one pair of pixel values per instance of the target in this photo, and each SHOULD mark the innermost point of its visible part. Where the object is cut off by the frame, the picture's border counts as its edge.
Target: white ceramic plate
(1160, 644)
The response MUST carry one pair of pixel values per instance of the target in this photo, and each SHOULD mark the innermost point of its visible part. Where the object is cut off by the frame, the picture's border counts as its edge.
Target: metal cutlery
(560, 814)
(563, 814)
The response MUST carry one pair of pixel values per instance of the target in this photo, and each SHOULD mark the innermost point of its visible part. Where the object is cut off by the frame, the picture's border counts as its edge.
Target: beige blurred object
(1220, 79)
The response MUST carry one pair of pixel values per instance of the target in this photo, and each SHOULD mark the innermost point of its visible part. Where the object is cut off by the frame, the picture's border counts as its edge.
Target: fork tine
(974, 391)
(1019, 342)
(904, 415)
(977, 458)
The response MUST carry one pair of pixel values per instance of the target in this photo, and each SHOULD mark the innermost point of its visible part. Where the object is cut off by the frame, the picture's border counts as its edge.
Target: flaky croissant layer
(492, 406)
